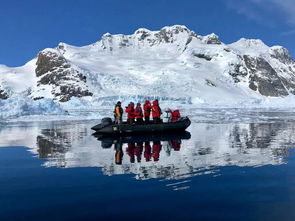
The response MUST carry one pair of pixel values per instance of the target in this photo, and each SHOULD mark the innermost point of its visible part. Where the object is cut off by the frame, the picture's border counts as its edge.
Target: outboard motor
(106, 121)
(167, 118)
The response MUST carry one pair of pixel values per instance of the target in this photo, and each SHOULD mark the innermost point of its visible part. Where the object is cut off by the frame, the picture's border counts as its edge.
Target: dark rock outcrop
(238, 72)
(203, 56)
(263, 78)
(282, 54)
(48, 62)
(212, 39)
(54, 69)
(3, 94)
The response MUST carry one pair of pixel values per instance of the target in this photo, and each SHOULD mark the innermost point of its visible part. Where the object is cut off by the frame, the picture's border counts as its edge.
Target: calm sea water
(234, 165)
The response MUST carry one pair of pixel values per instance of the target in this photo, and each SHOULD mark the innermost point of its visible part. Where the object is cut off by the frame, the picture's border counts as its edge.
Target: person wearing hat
(118, 113)
(147, 107)
(156, 112)
(138, 114)
(130, 113)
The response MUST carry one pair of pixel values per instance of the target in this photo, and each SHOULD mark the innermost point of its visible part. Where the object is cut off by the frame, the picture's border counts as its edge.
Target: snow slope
(173, 64)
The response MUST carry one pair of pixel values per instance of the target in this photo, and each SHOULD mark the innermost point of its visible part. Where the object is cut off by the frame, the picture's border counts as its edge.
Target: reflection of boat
(108, 141)
(108, 127)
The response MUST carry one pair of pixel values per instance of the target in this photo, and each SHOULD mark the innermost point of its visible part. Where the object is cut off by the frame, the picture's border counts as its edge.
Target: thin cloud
(252, 9)
(288, 7)
(288, 33)
(260, 11)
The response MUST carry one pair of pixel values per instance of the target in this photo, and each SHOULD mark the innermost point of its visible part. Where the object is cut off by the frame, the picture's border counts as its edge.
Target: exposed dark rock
(264, 78)
(48, 61)
(37, 98)
(212, 39)
(189, 40)
(166, 34)
(282, 54)
(238, 72)
(143, 34)
(210, 83)
(68, 91)
(203, 56)
(54, 69)
(3, 95)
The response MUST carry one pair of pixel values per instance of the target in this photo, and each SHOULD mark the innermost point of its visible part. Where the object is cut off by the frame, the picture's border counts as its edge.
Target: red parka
(138, 113)
(175, 115)
(156, 111)
(138, 151)
(147, 108)
(147, 151)
(130, 150)
(156, 150)
(176, 144)
(130, 112)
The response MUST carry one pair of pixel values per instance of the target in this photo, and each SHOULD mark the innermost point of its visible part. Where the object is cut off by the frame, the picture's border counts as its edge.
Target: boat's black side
(124, 128)
(109, 140)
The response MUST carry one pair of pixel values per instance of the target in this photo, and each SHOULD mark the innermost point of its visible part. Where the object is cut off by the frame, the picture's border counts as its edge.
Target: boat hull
(108, 140)
(118, 129)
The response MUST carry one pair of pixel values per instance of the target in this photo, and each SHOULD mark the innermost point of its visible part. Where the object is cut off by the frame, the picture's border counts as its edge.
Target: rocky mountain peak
(48, 60)
(211, 39)
(281, 53)
(251, 42)
(171, 62)
(145, 37)
(55, 71)
(176, 29)
(142, 31)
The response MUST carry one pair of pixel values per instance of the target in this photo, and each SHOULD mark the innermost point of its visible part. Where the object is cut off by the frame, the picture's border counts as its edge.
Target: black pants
(139, 120)
(147, 119)
(157, 120)
(130, 121)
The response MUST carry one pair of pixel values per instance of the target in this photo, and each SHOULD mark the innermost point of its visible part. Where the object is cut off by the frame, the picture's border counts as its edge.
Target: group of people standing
(137, 114)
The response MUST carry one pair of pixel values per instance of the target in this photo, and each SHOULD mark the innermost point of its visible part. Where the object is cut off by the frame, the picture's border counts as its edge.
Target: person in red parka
(147, 107)
(156, 150)
(156, 112)
(147, 151)
(175, 115)
(130, 150)
(138, 114)
(176, 144)
(130, 113)
(138, 151)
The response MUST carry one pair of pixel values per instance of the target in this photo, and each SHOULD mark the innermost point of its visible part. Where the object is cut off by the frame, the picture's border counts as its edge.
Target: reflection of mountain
(212, 146)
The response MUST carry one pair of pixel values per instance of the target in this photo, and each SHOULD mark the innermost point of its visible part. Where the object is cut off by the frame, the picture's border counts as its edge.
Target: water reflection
(143, 146)
(204, 150)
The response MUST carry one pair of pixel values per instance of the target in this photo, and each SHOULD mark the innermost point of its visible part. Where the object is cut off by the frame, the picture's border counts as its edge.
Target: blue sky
(28, 26)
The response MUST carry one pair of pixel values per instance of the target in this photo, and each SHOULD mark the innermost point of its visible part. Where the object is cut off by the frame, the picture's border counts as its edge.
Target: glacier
(175, 65)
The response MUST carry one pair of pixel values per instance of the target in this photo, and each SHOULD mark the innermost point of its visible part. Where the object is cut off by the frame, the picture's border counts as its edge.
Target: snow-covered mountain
(173, 63)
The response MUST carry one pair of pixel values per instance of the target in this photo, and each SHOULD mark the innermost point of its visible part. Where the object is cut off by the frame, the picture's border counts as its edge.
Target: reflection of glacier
(211, 147)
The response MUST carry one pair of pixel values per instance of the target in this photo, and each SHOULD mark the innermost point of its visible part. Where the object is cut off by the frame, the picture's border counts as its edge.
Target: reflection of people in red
(156, 150)
(130, 151)
(138, 151)
(147, 151)
(119, 153)
(176, 144)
